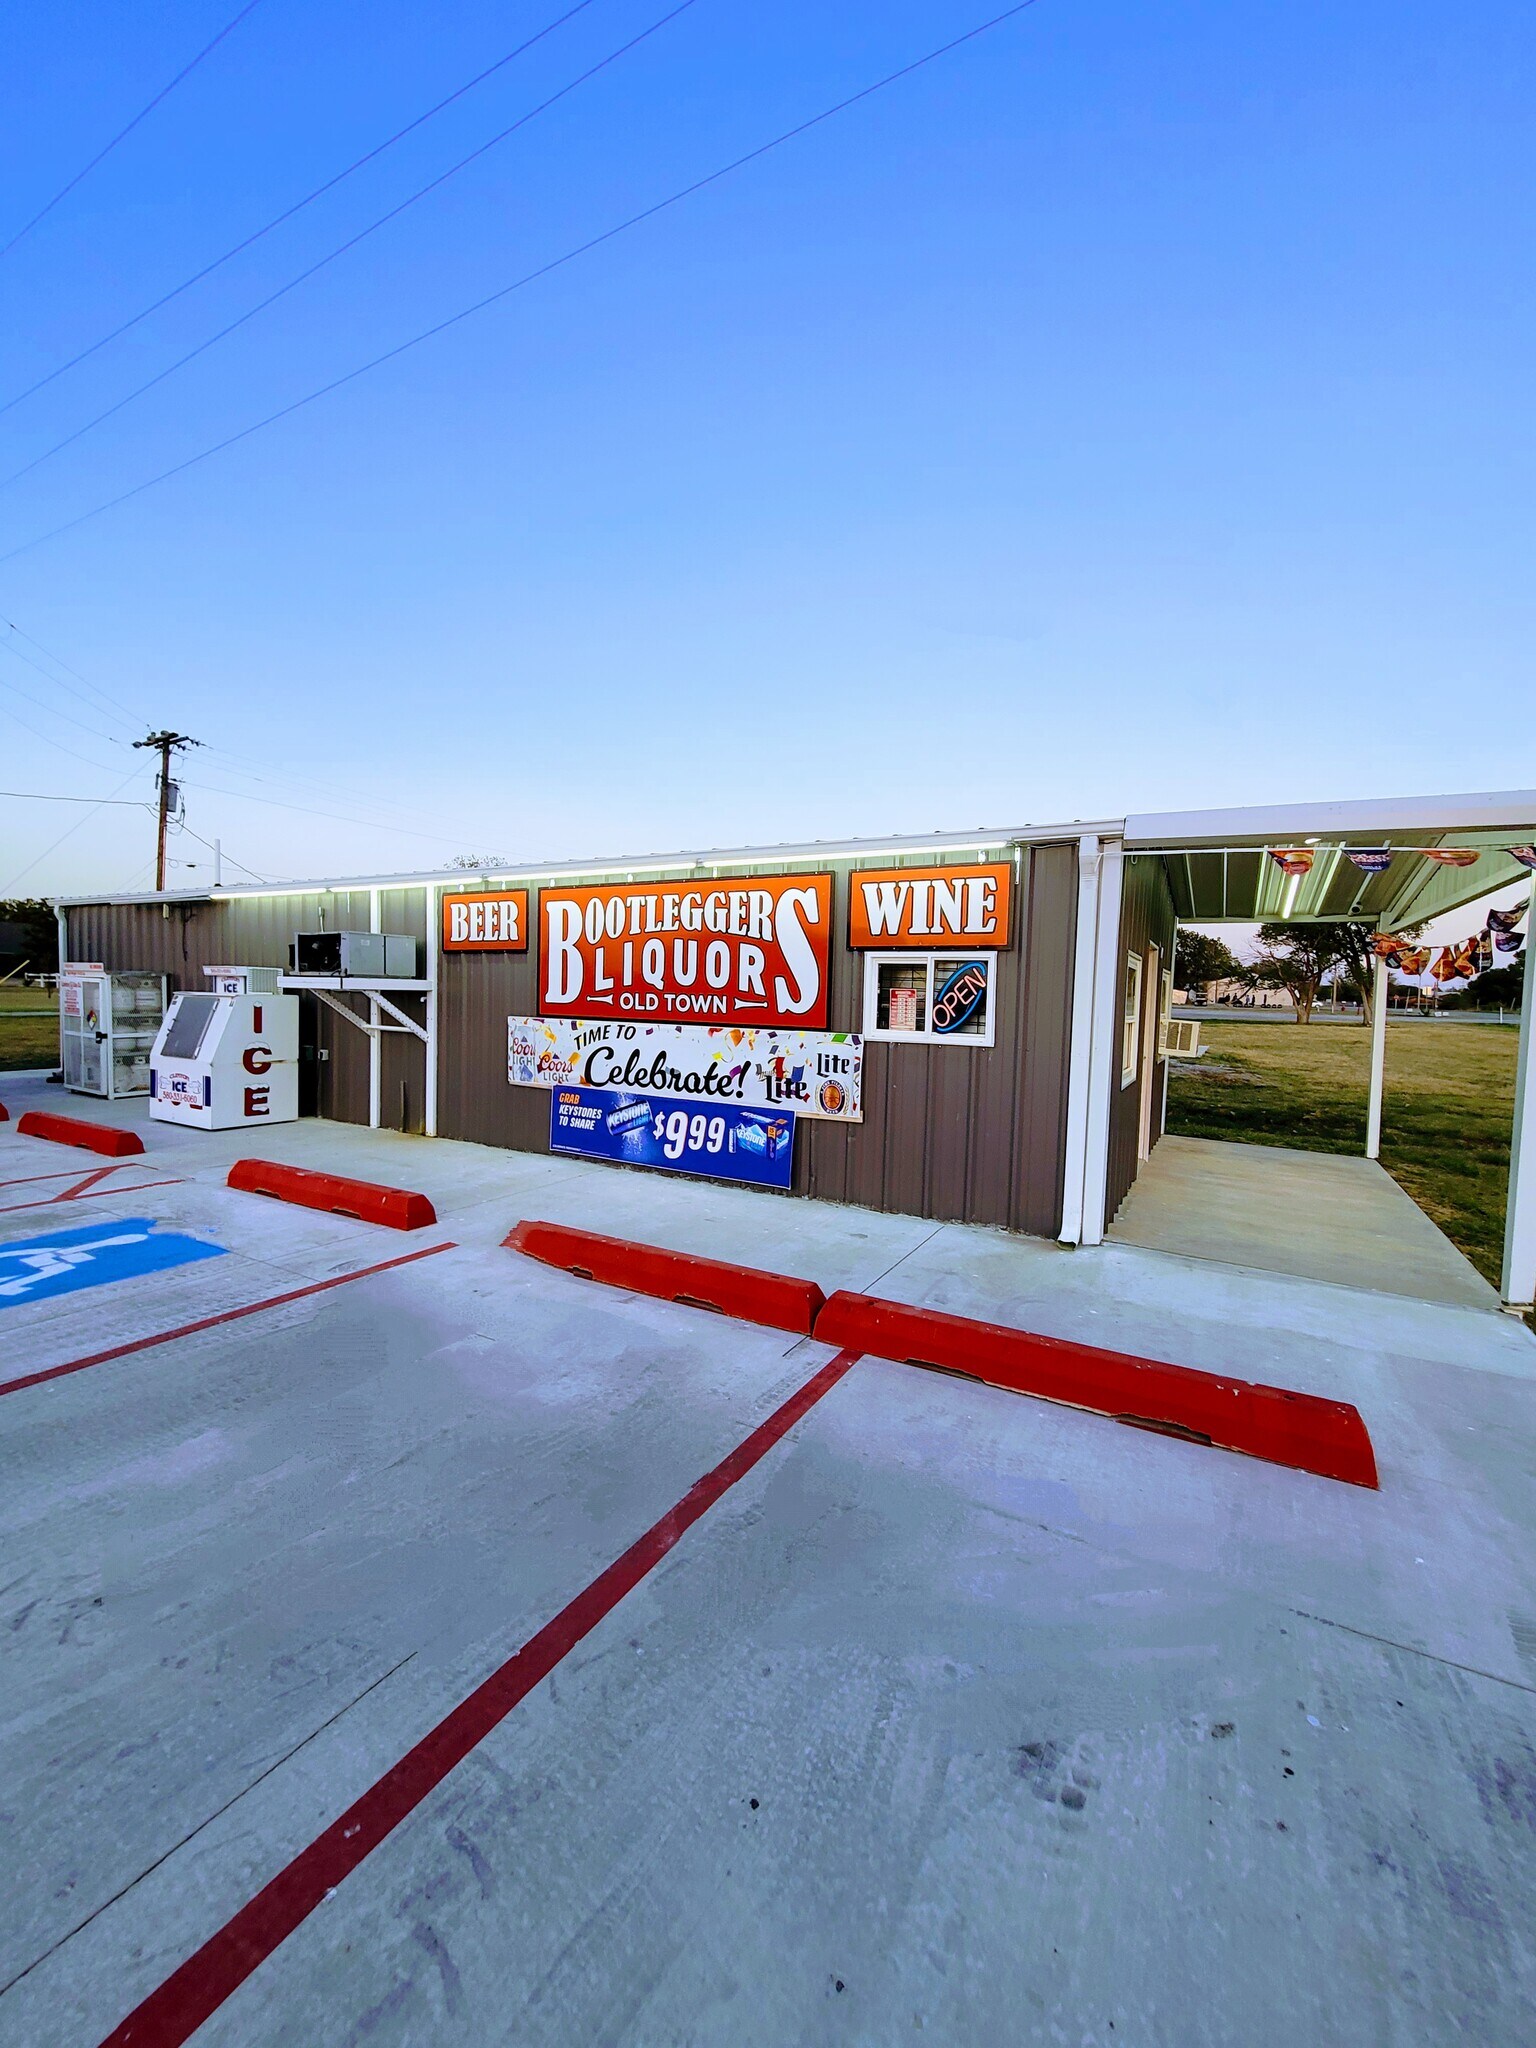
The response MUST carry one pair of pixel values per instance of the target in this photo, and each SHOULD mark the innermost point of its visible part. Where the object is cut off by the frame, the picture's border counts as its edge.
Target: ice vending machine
(221, 1061)
(107, 1024)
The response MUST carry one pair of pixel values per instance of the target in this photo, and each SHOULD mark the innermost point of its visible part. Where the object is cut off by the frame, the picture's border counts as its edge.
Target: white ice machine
(223, 1060)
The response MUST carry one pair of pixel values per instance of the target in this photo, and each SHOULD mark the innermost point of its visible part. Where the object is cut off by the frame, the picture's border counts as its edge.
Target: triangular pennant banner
(1506, 920)
(1450, 856)
(1374, 859)
(1526, 855)
(1294, 860)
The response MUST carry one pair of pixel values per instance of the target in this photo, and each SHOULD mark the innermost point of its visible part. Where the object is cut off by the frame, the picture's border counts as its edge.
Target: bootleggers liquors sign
(747, 953)
(813, 1073)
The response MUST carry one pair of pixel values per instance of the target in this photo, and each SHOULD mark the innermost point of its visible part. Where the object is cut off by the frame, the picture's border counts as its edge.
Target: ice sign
(63, 1261)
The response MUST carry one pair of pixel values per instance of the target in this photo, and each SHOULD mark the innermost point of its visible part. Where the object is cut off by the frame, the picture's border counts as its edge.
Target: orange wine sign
(931, 908)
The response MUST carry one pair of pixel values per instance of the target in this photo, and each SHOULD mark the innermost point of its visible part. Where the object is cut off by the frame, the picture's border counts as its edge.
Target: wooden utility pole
(166, 743)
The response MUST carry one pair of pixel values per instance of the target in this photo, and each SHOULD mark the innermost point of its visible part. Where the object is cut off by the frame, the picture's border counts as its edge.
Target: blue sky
(1129, 411)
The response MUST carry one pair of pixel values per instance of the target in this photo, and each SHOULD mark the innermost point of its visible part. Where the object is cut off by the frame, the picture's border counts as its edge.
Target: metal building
(1007, 991)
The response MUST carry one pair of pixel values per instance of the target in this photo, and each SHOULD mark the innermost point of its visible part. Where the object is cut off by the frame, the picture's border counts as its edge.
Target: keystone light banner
(722, 1141)
(812, 1073)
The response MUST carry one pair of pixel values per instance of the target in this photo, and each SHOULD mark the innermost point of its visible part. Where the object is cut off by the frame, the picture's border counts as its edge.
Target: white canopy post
(1380, 982)
(1519, 1283)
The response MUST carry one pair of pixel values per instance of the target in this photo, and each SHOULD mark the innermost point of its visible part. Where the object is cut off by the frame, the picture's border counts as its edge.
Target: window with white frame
(933, 998)
(1165, 1014)
(1130, 1029)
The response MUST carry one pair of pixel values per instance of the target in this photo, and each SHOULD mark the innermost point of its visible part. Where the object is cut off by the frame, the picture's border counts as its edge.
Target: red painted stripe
(133, 1188)
(63, 1173)
(228, 1315)
(80, 1186)
(173, 2013)
(138, 1186)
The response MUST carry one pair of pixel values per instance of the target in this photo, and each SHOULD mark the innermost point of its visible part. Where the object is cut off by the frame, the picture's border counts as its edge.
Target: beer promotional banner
(929, 908)
(1371, 860)
(813, 1073)
(1295, 860)
(749, 953)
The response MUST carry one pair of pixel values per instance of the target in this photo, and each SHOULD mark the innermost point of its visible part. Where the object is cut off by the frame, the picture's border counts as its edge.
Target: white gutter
(1080, 1045)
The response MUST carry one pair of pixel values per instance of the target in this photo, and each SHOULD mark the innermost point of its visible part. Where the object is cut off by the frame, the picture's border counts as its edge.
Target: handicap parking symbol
(63, 1261)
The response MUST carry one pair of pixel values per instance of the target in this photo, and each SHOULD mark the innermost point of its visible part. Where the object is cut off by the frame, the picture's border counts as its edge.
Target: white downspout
(434, 951)
(1379, 986)
(1105, 1060)
(1080, 1044)
(1518, 1286)
(375, 1041)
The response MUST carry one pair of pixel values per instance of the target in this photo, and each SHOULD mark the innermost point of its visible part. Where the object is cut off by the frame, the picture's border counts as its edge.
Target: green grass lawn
(28, 1041)
(1449, 1101)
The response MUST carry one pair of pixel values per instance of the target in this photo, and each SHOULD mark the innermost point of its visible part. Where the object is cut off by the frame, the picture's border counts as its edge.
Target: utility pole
(165, 743)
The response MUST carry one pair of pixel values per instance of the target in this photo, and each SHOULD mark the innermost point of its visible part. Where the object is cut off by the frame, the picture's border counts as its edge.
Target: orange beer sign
(486, 921)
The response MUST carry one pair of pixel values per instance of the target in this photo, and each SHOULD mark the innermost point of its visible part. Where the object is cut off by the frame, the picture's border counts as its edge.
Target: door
(1151, 995)
(84, 1028)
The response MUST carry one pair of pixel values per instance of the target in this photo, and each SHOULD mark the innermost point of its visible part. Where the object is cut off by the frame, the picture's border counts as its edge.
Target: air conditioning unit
(372, 956)
(1184, 1038)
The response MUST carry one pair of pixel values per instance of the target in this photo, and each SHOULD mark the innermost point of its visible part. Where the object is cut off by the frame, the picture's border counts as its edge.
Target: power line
(243, 796)
(122, 133)
(219, 854)
(53, 711)
(518, 284)
(37, 796)
(48, 740)
(341, 249)
(299, 205)
(225, 754)
(71, 829)
(134, 717)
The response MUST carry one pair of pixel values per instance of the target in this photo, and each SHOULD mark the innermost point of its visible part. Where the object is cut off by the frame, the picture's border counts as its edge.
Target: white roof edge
(1495, 811)
(654, 863)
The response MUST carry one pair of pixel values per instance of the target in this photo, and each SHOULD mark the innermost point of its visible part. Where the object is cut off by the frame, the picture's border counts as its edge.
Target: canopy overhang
(1220, 870)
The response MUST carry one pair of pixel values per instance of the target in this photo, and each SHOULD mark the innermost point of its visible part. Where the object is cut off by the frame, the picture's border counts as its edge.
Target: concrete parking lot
(955, 1715)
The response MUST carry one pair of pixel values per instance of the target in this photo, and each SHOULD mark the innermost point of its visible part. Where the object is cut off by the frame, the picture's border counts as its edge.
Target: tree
(29, 932)
(1496, 988)
(480, 863)
(1297, 957)
(1198, 959)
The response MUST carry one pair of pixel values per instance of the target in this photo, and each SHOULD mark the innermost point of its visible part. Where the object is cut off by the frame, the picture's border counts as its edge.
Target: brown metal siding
(180, 940)
(956, 1133)
(1146, 919)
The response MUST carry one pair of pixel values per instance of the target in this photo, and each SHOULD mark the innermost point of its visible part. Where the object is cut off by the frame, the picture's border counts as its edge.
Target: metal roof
(1217, 861)
(1219, 867)
(983, 839)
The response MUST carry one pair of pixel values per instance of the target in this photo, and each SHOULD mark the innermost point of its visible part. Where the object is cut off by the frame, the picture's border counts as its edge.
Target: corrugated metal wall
(1146, 919)
(959, 1133)
(180, 940)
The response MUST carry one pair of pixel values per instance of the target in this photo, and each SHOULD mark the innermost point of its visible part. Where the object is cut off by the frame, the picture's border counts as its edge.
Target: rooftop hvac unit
(371, 956)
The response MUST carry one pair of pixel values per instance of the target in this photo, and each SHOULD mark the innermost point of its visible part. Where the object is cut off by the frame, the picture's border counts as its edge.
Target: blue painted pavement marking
(62, 1261)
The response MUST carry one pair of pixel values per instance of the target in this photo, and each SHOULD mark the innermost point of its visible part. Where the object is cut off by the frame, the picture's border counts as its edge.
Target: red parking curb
(747, 1293)
(366, 1200)
(1299, 1430)
(74, 1130)
(5, 1114)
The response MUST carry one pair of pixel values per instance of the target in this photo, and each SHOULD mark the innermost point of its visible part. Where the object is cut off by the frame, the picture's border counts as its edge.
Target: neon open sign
(960, 997)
